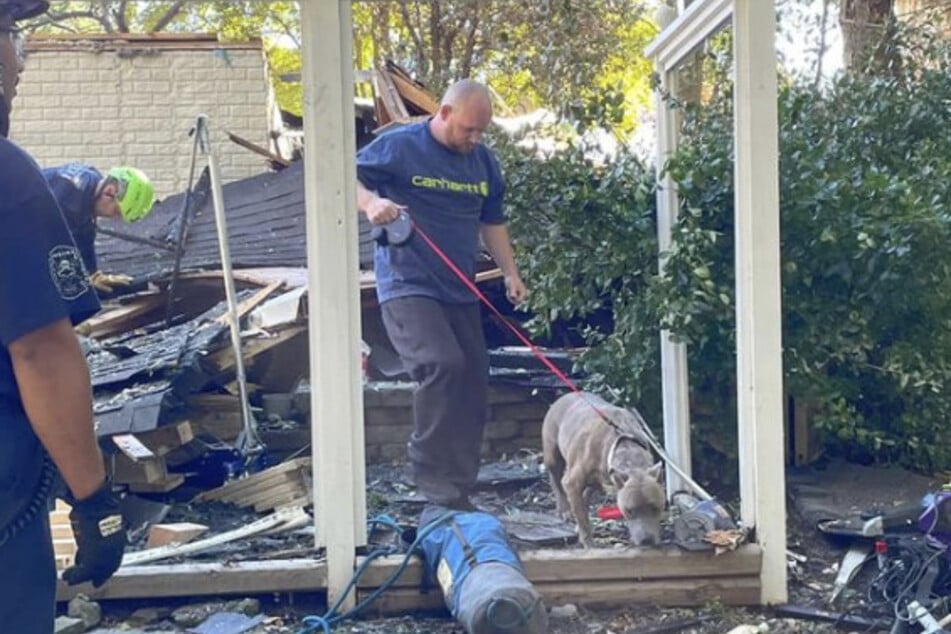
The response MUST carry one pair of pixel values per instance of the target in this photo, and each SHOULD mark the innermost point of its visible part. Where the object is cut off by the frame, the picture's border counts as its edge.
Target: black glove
(100, 538)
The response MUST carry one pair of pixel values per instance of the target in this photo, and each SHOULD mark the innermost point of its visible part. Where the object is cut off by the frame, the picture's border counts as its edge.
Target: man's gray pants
(443, 349)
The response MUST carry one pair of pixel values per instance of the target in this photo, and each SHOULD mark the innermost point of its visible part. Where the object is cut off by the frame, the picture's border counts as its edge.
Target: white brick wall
(106, 109)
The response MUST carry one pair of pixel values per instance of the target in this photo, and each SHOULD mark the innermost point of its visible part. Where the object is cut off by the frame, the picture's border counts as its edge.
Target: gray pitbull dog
(582, 452)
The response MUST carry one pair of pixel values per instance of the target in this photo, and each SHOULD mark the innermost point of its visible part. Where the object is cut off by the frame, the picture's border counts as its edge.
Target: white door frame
(758, 285)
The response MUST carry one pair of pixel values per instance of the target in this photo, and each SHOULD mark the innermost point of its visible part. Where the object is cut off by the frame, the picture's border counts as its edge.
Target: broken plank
(224, 426)
(167, 438)
(223, 360)
(257, 149)
(284, 519)
(132, 447)
(418, 97)
(177, 533)
(64, 541)
(206, 579)
(274, 476)
(252, 302)
(390, 96)
(145, 471)
(292, 487)
(299, 497)
(121, 318)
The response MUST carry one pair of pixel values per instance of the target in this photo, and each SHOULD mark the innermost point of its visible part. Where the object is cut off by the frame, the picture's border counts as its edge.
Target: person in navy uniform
(85, 194)
(46, 420)
(451, 185)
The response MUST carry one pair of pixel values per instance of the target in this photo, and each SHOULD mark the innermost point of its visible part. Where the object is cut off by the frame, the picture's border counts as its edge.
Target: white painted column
(333, 298)
(673, 356)
(758, 289)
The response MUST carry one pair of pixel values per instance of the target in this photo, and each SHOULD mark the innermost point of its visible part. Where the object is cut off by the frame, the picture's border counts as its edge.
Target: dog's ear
(657, 472)
(618, 479)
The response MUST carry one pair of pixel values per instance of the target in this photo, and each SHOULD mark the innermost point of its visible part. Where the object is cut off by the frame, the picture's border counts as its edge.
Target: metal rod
(183, 221)
(249, 440)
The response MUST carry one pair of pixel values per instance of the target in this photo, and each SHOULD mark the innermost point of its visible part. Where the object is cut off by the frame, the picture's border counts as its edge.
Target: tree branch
(172, 13)
(414, 35)
(468, 53)
(288, 29)
(57, 19)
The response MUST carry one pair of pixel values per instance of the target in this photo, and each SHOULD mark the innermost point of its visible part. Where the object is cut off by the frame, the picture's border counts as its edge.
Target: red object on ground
(610, 513)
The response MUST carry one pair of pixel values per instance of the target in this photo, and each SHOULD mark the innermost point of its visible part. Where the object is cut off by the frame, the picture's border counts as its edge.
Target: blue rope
(326, 622)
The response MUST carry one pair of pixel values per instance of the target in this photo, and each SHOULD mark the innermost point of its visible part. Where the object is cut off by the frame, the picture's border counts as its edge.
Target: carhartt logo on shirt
(480, 189)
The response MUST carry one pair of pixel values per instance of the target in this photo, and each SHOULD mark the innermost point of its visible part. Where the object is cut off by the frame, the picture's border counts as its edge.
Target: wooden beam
(223, 360)
(601, 594)
(334, 298)
(603, 577)
(257, 149)
(603, 564)
(390, 96)
(419, 97)
(760, 403)
(193, 580)
(699, 21)
(252, 302)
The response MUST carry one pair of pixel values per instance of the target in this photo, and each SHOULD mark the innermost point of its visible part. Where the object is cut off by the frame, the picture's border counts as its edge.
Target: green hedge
(865, 192)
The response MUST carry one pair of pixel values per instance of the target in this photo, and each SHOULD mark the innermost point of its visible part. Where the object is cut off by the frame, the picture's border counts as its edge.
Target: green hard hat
(136, 193)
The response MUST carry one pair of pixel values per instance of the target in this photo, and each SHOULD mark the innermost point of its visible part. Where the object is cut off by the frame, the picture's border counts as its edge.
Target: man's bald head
(464, 114)
(464, 90)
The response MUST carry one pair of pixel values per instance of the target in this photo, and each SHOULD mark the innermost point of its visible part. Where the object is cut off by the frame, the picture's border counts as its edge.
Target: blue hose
(326, 622)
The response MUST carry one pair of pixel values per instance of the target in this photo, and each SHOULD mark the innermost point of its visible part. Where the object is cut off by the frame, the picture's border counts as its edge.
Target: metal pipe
(248, 441)
(200, 122)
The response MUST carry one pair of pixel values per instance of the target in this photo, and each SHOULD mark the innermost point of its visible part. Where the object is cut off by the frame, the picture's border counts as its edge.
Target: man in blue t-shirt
(45, 394)
(451, 186)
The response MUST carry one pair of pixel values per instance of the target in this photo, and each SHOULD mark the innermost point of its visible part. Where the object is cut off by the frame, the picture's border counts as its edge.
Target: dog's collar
(617, 441)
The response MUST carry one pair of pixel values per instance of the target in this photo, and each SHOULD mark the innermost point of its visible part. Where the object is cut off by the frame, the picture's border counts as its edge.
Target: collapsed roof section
(266, 228)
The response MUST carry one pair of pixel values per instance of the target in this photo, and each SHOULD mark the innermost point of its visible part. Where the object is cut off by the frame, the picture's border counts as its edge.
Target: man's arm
(379, 210)
(54, 384)
(497, 241)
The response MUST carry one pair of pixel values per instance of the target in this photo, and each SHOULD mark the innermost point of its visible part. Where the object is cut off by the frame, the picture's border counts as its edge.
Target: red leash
(475, 291)
(605, 513)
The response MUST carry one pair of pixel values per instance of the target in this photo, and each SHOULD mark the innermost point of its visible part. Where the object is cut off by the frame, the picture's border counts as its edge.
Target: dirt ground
(817, 493)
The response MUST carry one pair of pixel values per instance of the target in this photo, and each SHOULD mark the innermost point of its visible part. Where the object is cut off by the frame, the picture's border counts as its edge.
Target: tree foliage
(585, 60)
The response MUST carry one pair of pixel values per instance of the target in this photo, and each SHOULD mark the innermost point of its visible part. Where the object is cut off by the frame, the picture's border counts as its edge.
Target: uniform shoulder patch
(66, 269)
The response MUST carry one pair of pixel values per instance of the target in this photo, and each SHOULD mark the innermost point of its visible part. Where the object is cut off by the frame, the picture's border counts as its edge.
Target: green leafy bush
(866, 227)
(585, 232)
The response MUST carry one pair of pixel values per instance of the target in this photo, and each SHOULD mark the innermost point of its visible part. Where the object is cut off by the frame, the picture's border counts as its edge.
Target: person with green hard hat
(85, 194)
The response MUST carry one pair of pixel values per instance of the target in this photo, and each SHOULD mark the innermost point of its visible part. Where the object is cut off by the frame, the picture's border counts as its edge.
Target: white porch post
(673, 356)
(758, 289)
(333, 297)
